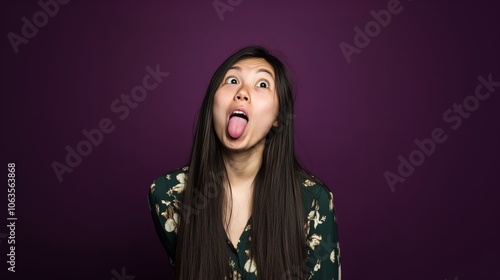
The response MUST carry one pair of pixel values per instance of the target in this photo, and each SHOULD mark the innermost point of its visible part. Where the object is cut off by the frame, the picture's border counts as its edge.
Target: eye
(263, 84)
(231, 80)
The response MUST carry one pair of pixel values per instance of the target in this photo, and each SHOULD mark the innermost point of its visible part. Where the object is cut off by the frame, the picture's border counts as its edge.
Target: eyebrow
(258, 70)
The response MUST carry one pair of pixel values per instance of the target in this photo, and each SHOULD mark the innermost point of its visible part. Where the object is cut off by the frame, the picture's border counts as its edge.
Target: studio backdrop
(397, 112)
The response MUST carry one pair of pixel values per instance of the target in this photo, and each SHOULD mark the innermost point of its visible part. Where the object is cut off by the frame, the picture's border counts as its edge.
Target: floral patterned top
(323, 256)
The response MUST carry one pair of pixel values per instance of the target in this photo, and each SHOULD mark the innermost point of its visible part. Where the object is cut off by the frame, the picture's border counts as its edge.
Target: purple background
(352, 122)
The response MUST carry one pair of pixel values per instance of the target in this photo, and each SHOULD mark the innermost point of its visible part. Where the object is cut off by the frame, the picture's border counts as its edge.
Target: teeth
(240, 114)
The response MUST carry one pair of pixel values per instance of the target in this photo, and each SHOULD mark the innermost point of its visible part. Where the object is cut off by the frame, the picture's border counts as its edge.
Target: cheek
(273, 108)
(269, 112)
(218, 112)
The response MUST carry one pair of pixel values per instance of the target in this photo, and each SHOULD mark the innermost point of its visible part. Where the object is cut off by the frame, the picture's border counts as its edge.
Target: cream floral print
(314, 241)
(171, 217)
(250, 265)
(323, 256)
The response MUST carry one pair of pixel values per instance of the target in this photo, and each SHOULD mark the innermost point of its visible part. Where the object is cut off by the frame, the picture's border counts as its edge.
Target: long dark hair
(277, 219)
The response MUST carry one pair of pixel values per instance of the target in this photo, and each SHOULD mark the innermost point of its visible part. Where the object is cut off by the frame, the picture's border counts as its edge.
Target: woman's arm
(323, 258)
(163, 214)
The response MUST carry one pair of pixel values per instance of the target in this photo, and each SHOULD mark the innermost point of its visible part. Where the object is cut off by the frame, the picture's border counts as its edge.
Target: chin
(235, 145)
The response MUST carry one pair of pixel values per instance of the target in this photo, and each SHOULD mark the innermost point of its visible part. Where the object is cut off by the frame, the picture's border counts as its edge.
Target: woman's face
(246, 105)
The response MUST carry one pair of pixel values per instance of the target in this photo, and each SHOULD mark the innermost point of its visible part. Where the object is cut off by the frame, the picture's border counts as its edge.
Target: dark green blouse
(323, 257)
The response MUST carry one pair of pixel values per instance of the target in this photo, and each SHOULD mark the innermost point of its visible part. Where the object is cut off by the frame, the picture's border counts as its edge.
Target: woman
(244, 208)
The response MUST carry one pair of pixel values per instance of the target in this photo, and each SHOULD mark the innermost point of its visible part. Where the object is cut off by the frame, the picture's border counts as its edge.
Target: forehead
(253, 64)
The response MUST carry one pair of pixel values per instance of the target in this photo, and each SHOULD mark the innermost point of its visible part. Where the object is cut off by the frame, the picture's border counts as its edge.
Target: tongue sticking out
(236, 126)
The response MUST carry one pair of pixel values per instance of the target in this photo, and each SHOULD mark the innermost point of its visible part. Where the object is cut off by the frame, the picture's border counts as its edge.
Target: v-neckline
(243, 233)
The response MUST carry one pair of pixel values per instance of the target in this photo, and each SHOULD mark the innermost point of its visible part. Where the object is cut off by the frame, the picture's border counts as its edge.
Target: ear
(276, 123)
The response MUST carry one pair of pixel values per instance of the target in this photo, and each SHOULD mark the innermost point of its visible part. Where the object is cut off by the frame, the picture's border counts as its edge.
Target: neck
(242, 166)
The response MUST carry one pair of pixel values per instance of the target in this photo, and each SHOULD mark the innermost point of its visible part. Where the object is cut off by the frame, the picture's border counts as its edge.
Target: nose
(242, 95)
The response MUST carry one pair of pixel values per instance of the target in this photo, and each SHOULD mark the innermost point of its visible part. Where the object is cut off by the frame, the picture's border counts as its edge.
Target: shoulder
(169, 187)
(315, 194)
(164, 196)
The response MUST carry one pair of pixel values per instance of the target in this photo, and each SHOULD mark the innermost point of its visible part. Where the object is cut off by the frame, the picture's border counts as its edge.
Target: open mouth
(237, 123)
(240, 114)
